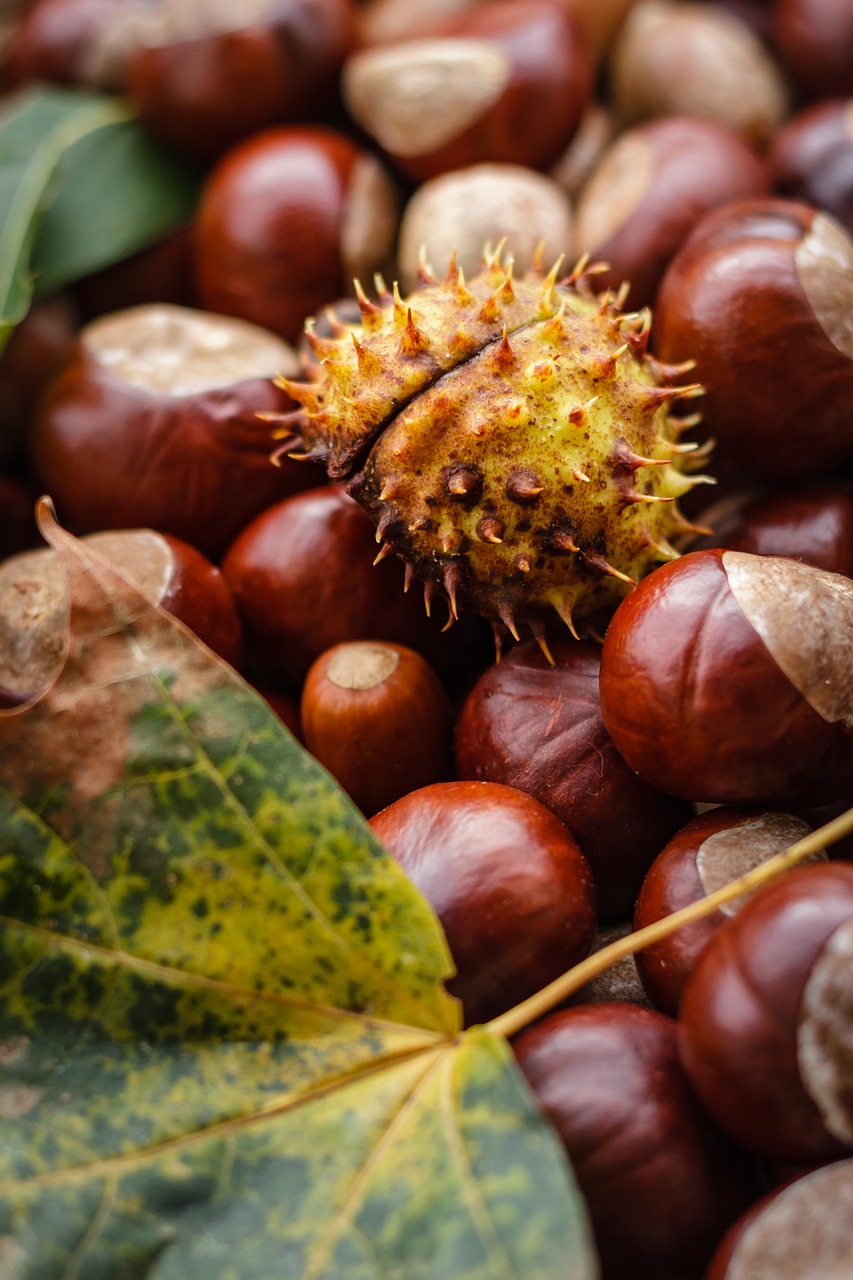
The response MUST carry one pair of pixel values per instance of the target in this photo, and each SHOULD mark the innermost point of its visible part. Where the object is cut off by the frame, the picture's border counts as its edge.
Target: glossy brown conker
(303, 577)
(759, 297)
(511, 888)
(286, 219)
(213, 74)
(705, 855)
(811, 158)
(649, 190)
(153, 422)
(765, 1018)
(813, 524)
(724, 678)
(506, 83)
(377, 716)
(538, 727)
(660, 1182)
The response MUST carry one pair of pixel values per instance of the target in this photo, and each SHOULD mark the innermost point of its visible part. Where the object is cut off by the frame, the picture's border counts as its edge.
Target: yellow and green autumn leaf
(225, 1047)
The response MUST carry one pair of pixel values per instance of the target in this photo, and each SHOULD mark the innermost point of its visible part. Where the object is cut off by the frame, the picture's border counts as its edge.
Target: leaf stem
(516, 1019)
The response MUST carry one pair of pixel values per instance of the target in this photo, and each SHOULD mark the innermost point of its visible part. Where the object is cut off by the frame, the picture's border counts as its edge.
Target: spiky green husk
(510, 439)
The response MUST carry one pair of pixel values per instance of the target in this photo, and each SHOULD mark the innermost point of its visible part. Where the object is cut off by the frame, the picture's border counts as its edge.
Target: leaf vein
(493, 1246)
(186, 977)
(109, 1165)
(361, 1183)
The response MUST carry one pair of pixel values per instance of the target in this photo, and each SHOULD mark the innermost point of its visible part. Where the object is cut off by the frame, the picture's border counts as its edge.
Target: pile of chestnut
(705, 151)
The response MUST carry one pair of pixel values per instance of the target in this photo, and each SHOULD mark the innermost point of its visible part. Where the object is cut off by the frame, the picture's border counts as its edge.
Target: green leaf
(225, 1047)
(81, 186)
(120, 191)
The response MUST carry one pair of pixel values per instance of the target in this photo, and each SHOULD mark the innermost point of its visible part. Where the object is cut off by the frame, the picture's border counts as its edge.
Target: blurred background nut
(213, 71)
(595, 133)
(483, 204)
(384, 21)
(696, 59)
(286, 219)
(650, 189)
(814, 39)
(811, 158)
(507, 82)
(87, 42)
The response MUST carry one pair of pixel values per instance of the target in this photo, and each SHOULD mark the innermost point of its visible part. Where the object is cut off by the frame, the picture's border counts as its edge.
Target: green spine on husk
(511, 439)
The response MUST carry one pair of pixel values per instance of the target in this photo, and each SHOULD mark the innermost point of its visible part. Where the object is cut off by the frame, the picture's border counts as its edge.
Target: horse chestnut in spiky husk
(509, 438)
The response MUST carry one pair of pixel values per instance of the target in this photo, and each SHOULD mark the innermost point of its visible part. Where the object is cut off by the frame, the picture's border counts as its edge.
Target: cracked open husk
(512, 440)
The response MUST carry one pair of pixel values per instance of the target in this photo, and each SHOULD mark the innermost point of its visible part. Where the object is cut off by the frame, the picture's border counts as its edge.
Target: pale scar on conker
(511, 439)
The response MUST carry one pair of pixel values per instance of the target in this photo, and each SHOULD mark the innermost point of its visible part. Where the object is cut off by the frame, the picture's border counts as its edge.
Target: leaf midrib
(42, 164)
(112, 1166)
(183, 977)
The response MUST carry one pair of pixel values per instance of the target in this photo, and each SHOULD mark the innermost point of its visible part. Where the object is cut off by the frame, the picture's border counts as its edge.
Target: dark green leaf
(225, 1048)
(81, 186)
(119, 192)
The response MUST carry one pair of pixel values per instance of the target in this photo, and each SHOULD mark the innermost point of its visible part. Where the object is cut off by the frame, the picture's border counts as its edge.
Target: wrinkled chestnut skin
(539, 728)
(207, 93)
(691, 166)
(696, 704)
(511, 888)
(269, 227)
(814, 39)
(660, 1182)
(381, 735)
(303, 577)
(811, 158)
(814, 525)
(740, 1008)
(115, 456)
(779, 396)
(673, 881)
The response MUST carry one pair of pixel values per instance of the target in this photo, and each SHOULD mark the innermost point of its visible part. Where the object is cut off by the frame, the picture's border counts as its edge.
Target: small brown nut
(765, 1019)
(709, 852)
(798, 1232)
(759, 296)
(377, 716)
(811, 158)
(595, 133)
(286, 219)
(511, 888)
(609, 1079)
(212, 71)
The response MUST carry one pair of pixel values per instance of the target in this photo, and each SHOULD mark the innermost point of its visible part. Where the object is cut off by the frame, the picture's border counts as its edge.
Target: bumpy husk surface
(511, 439)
